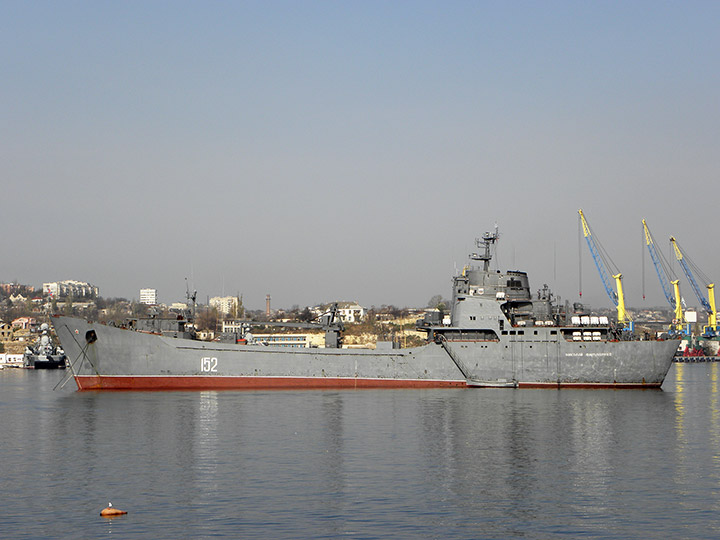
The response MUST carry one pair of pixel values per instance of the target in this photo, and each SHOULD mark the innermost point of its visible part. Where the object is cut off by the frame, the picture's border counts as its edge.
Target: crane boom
(673, 298)
(618, 298)
(688, 273)
(604, 275)
(664, 282)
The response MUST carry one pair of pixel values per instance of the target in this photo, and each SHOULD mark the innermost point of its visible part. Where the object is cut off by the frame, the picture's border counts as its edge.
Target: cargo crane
(663, 271)
(708, 303)
(602, 261)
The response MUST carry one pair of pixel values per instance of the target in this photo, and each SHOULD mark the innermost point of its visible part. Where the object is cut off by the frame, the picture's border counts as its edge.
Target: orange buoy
(110, 511)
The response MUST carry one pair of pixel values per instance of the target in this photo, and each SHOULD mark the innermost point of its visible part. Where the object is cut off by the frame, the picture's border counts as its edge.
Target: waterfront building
(148, 296)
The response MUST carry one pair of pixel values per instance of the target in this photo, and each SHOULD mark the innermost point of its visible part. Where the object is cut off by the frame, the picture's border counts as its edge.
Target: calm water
(361, 464)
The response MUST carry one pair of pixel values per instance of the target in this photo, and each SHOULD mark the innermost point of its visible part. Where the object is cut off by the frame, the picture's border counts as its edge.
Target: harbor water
(463, 463)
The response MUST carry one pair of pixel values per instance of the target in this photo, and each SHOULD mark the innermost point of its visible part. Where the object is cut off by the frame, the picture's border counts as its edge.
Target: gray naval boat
(498, 335)
(44, 354)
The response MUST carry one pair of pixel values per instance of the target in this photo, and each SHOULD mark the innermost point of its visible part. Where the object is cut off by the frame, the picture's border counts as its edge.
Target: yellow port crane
(707, 304)
(663, 271)
(602, 261)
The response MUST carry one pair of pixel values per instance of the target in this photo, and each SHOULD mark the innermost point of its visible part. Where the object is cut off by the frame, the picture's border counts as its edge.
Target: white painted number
(208, 364)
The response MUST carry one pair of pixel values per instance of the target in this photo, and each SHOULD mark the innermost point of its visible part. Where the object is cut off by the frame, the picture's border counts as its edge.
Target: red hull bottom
(296, 383)
(249, 383)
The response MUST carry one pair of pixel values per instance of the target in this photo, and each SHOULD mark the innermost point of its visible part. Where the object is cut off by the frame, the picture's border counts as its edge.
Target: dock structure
(693, 359)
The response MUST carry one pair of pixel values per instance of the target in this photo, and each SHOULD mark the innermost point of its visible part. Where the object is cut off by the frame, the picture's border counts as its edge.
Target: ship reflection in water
(393, 463)
(697, 430)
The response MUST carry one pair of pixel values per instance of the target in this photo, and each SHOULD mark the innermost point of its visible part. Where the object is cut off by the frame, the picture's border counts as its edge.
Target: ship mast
(485, 242)
(190, 297)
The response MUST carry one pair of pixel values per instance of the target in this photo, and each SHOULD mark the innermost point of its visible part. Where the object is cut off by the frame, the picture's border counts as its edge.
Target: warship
(498, 335)
(44, 354)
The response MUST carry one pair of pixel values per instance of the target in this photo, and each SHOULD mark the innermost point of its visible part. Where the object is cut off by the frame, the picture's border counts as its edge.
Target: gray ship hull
(106, 357)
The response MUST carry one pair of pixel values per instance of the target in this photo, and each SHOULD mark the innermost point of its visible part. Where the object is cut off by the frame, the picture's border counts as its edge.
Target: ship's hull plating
(104, 357)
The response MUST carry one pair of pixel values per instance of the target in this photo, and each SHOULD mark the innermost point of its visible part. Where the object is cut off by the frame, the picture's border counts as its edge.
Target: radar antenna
(486, 242)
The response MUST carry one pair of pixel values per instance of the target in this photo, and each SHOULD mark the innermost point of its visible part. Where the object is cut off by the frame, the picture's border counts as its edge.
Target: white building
(69, 287)
(348, 312)
(351, 312)
(226, 305)
(148, 296)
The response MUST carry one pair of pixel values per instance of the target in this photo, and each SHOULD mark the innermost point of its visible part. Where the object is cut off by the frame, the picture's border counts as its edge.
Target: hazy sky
(320, 151)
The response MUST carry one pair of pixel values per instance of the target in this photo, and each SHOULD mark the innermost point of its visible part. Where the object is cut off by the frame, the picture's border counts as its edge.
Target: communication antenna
(190, 297)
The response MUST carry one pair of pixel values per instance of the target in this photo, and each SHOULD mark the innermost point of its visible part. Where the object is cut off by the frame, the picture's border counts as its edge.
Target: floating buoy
(110, 511)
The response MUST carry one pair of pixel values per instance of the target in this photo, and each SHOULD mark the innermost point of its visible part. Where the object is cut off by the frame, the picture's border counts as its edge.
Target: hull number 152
(208, 364)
